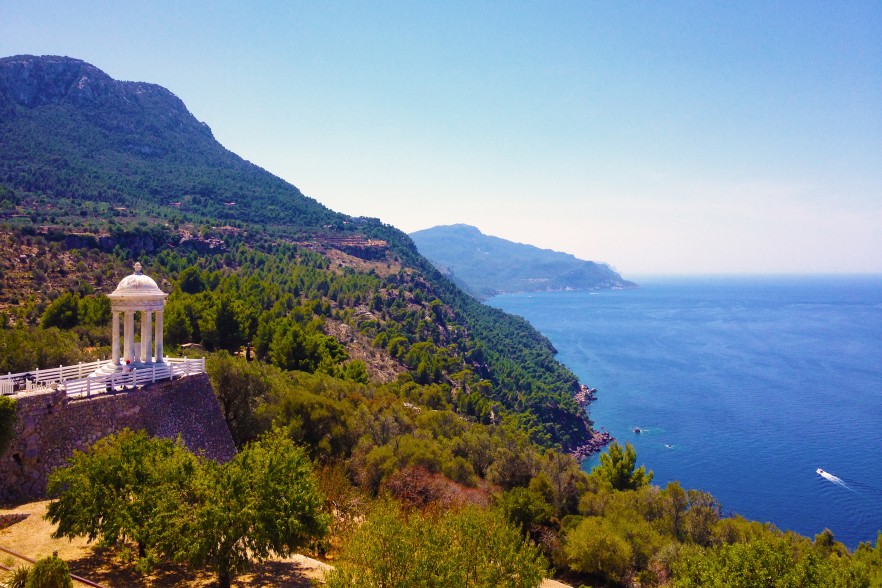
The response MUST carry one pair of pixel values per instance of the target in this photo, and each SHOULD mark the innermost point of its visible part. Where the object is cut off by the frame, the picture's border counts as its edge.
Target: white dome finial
(137, 267)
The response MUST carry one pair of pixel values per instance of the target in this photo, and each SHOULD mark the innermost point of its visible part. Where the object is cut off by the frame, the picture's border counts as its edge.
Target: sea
(741, 386)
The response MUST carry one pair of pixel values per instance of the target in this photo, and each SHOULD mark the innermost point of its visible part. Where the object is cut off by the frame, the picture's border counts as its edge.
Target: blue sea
(741, 386)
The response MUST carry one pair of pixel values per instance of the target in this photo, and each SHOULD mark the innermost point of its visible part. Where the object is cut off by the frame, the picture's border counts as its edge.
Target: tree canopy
(171, 503)
(617, 467)
(471, 547)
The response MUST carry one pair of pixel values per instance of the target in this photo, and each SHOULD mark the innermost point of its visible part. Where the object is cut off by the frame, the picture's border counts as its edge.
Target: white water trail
(834, 479)
(863, 488)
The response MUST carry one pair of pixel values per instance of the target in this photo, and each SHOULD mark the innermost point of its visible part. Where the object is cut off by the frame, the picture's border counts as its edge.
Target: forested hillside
(419, 437)
(96, 174)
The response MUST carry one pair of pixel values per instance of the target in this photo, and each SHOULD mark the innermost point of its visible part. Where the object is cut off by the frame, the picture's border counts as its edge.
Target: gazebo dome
(137, 285)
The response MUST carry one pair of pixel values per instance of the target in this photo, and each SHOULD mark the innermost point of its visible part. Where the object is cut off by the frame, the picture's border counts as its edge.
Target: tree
(178, 329)
(594, 547)
(171, 503)
(26, 348)
(95, 311)
(190, 280)
(525, 508)
(220, 328)
(617, 467)
(356, 371)
(264, 501)
(774, 560)
(469, 547)
(63, 312)
(240, 386)
(293, 349)
(123, 488)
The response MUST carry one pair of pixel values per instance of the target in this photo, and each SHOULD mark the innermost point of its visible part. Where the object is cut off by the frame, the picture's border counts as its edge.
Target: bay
(741, 386)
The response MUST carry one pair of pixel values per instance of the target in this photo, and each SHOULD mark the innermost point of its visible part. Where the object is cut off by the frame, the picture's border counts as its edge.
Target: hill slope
(488, 265)
(71, 131)
(96, 173)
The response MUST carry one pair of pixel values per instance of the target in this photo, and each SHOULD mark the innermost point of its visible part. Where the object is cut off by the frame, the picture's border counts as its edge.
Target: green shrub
(19, 578)
(466, 547)
(49, 572)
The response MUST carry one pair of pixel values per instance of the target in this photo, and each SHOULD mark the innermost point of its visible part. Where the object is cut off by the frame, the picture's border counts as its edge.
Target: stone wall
(50, 426)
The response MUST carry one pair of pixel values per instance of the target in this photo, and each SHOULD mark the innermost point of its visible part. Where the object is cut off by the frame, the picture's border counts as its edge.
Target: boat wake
(830, 477)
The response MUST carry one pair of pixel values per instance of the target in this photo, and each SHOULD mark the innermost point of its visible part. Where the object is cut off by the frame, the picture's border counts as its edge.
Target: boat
(821, 472)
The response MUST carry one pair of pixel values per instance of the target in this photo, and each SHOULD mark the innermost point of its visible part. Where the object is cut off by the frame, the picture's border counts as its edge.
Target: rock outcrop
(31, 81)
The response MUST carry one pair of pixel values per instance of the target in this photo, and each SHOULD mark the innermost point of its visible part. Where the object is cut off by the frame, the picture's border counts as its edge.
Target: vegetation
(618, 468)
(173, 504)
(49, 572)
(19, 577)
(612, 527)
(467, 547)
(433, 423)
(7, 422)
(486, 266)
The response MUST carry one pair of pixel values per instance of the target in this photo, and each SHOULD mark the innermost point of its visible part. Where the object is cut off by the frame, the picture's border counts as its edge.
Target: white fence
(77, 380)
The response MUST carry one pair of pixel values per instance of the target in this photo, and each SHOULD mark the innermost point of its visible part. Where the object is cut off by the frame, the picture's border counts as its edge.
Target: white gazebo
(137, 293)
(136, 364)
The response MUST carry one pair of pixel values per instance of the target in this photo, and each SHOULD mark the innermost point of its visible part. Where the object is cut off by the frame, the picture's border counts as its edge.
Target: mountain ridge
(486, 265)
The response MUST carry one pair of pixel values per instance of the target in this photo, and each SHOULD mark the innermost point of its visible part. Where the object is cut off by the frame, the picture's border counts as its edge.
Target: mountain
(71, 131)
(97, 173)
(486, 265)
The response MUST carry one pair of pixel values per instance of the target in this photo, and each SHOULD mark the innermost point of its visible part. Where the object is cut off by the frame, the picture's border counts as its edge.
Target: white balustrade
(72, 380)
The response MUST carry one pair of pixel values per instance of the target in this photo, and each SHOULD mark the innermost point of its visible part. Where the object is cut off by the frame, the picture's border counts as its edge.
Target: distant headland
(486, 266)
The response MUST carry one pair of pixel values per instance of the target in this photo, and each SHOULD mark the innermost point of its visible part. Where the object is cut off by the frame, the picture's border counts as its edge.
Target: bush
(23, 349)
(595, 548)
(7, 421)
(49, 572)
(465, 547)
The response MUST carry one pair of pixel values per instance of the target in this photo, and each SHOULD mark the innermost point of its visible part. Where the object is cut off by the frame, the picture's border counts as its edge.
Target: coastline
(708, 356)
(599, 439)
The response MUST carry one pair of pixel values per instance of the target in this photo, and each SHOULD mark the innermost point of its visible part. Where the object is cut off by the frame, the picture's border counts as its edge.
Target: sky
(659, 137)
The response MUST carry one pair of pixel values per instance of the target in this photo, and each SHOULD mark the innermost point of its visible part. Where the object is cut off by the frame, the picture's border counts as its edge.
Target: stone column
(146, 345)
(114, 345)
(159, 336)
(129, 335)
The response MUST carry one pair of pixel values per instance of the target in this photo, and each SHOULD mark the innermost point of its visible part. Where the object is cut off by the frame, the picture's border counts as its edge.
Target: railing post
(88, 387)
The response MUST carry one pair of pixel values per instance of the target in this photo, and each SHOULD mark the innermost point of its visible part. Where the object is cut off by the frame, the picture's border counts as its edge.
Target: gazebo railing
(78, 380)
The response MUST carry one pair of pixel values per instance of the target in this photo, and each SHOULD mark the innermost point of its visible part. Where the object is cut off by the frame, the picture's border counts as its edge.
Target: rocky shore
(599, 439)
(585, 395)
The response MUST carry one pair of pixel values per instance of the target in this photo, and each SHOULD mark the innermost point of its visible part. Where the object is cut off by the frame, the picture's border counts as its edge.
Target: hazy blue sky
(659, 137)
